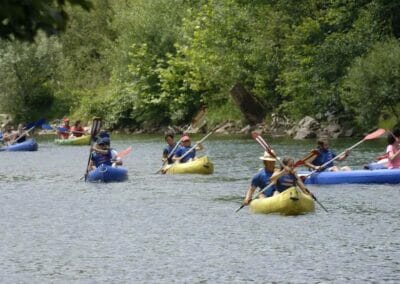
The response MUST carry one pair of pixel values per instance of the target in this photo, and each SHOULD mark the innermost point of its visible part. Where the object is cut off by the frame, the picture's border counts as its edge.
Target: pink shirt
(396, 162)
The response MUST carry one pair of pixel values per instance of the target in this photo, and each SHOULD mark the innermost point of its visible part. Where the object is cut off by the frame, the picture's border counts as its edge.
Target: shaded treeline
(140, 63)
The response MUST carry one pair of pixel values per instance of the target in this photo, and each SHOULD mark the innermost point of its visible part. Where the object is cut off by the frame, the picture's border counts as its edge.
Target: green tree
(23, 19)
(372, 86)
(28, 78)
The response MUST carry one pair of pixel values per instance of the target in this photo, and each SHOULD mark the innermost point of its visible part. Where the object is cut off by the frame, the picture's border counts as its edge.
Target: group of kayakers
(272, 181)
(181, 151)
(11, 136)
(65, 131)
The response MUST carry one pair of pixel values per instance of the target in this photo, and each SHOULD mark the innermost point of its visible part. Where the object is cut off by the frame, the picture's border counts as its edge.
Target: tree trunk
(253, 111)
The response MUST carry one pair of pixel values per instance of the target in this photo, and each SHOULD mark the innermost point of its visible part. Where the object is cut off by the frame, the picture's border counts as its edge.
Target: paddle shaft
(198, 142)
(93, 131)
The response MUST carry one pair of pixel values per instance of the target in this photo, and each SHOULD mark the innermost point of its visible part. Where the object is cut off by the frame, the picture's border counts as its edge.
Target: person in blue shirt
(262, 178)
(169, 138)
(103, 155)
(286, 180)
(324, 155)
(184, 148)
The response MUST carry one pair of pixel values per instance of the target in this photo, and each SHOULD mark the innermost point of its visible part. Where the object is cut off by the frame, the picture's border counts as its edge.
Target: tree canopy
(23, 19)
(144, 63)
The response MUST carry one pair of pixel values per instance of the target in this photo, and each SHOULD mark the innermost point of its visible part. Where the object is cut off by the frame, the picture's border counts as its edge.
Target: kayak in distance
(27, 145)
(201, 165)
(83, 140)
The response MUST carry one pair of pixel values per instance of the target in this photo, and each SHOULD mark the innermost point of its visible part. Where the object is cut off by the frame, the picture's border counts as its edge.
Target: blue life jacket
(323, 157)
(21, 139)
(182, 150)
(286, 181)
(167, 151)
(102, 159)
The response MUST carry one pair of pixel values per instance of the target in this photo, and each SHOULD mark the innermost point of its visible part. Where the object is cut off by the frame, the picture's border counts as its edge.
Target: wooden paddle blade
(377, 133)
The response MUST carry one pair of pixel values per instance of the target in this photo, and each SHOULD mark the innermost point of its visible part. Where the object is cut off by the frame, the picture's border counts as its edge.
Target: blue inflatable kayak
(355, 176)
(28, 145)
(107, 174)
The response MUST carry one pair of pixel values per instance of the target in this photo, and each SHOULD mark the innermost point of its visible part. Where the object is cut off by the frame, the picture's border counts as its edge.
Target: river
(55, 228)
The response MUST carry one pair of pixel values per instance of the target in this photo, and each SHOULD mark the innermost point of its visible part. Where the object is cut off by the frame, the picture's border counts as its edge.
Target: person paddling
(102, 154)
(287, 180)
(64, 133)
(169, 148)
(8, 134)
(19, 135)
(185, 147)
(393, 149)
(77, 130)
(262, 178)
(325, 155)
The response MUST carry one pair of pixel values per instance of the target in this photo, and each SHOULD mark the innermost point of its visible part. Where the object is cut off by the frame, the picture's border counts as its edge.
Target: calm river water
(56, 228)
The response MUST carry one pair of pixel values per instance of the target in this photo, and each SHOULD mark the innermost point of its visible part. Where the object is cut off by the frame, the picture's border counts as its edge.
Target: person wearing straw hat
(262, 178)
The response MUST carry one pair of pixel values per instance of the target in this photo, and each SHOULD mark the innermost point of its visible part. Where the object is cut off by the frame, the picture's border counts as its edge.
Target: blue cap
(104, 140)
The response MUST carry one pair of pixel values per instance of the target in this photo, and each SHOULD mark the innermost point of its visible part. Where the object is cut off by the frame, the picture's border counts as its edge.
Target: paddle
(256, 136)
(35, 123)
(96, 124)
(197, 143)
(122, 154)
(173, 150)
(305, 159)
(377, 133)
(125, 152)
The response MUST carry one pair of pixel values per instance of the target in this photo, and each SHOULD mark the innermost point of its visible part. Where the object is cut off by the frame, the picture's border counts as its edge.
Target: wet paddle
(310, 156)
(376, 134)
(96, 124)
(256, 136)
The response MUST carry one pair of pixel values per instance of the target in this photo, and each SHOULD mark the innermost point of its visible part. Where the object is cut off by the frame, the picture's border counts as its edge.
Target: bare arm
(249, 195)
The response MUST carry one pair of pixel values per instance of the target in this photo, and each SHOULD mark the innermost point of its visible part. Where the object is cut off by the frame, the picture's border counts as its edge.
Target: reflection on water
(183, 228)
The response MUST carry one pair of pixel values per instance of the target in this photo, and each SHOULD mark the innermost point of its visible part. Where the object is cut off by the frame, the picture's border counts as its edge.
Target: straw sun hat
(268, 157)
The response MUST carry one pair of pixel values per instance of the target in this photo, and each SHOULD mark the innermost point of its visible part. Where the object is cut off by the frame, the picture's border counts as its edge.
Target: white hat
(268, 157)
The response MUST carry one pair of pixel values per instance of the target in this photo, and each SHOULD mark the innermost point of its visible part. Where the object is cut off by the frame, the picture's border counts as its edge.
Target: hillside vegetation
(146, 64)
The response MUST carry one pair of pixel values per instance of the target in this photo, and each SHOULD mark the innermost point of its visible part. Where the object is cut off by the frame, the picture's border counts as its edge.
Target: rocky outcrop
(306, 128)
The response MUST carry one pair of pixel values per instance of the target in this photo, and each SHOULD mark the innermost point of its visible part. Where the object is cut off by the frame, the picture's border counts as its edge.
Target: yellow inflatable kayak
(289, 202)
(201, 165)
(83, 140)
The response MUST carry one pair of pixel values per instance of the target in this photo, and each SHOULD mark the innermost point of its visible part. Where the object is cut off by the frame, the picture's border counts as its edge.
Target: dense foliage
(140, 63)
